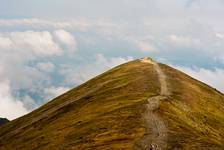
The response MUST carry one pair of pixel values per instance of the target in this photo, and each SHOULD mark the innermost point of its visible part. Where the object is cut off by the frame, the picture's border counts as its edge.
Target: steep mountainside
(3, 121)
(138, 105)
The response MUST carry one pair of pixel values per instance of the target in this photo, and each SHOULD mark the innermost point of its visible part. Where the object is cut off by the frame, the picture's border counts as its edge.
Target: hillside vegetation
(107, 113)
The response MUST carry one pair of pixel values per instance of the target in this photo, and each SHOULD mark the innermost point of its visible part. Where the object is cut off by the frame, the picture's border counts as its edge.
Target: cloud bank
(25, 69)
(213, 78)
(9, 106)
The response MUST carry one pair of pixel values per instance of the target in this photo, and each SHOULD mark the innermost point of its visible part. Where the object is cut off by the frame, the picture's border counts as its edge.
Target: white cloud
(34, 22)
(18, 59)
(46, 67)
(25, 62)
(80, 24)
(168, 32)
(41, 43)
(65, 38)
(9, 106)
(28, 102)
(110, 62)
(22, 76)
(5, 43)
(79, 74)
(214, 78)
(146, 47)
(183, 41)
(219, 35)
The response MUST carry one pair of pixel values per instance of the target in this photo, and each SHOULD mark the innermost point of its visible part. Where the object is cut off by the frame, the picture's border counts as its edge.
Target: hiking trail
(156, 131)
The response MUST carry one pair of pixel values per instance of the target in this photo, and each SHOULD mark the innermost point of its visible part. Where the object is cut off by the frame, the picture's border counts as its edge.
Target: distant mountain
(3, 121)
(139, 105)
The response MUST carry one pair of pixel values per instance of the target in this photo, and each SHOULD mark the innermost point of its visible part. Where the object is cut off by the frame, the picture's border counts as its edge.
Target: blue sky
(50, 46)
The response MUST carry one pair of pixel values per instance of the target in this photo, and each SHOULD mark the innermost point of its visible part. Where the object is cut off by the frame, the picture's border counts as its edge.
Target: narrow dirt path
(156, 137)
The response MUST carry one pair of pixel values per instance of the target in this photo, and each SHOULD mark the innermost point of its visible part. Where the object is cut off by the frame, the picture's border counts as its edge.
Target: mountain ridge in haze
(141, 104)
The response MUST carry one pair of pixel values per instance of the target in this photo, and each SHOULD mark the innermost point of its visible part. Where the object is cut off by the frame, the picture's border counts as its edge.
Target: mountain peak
(138, 105)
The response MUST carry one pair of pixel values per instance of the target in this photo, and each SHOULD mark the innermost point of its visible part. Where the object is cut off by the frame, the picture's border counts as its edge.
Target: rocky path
(156, 137)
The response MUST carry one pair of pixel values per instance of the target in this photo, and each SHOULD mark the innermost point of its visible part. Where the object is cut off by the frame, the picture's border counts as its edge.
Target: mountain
(3, 121)
(138, 105)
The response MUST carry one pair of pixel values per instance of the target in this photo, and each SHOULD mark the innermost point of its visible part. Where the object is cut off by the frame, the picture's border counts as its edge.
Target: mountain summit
(141, 105)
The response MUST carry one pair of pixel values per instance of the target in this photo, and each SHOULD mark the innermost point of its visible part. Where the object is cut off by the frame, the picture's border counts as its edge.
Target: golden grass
(106, 113)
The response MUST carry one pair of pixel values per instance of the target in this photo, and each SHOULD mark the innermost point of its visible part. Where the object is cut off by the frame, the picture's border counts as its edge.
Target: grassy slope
(194, 113)
(109, 117)
(106, 113)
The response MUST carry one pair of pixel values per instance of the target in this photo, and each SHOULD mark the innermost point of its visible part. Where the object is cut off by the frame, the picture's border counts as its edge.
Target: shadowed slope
(3, 121)
(107, 112)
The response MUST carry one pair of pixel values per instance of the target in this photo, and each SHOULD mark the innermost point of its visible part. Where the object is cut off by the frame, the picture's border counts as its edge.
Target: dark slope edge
(107, 113)
(3, 121)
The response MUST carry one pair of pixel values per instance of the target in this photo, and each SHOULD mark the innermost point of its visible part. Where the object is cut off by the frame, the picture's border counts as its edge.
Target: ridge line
(156, 137)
